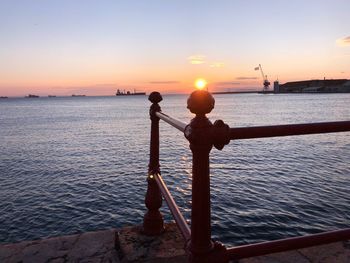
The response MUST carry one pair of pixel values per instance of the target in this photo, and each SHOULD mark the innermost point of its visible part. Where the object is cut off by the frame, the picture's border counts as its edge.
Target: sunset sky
(63, 47)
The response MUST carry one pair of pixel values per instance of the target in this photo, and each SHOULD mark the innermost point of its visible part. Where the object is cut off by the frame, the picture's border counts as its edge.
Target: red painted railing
(203, 135)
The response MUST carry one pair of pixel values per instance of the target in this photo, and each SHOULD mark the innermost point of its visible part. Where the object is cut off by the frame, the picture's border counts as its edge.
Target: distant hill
(315, 86)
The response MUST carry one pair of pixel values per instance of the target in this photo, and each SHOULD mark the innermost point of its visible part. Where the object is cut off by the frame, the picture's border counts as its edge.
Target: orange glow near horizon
(174, 78)
(93, 53)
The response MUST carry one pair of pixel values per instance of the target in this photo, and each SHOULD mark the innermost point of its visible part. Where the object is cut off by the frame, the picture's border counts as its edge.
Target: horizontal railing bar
(259, 249)
(287, 130)
(173, 122)
(179, 219)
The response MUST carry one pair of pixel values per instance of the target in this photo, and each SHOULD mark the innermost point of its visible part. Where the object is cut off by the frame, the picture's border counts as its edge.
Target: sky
(64, 47)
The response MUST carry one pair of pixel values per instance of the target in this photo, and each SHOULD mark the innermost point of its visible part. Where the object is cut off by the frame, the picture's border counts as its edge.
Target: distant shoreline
(233, 92)
(271, 92)
(243, 92)
(170, 94)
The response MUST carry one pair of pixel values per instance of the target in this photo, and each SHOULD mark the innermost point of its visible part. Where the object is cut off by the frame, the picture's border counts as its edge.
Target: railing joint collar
(220, 134)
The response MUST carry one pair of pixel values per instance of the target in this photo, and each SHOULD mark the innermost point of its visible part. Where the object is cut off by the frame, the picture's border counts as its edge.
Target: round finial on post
(155, 97)
(200, 102)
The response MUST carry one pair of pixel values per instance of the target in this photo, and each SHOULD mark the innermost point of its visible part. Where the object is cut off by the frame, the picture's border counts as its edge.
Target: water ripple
(69, 165)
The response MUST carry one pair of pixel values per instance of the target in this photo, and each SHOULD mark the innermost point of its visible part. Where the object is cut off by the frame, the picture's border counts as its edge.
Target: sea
(75, 164)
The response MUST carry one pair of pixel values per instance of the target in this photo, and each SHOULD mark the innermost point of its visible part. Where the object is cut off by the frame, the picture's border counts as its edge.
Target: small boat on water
(128, 93)
(32, 96)
(4, 97)
(52, 96)
(78, 95)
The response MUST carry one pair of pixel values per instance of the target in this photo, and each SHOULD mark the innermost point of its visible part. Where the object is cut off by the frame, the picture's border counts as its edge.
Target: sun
(200, 83)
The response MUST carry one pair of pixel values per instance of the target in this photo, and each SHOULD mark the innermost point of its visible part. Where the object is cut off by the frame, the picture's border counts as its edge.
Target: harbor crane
(266, 83)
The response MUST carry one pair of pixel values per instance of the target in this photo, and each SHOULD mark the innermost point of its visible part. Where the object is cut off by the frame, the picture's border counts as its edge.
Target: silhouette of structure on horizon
(314, 86)
(127, 93)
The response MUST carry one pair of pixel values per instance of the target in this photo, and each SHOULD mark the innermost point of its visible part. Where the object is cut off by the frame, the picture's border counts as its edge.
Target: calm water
(78, 164)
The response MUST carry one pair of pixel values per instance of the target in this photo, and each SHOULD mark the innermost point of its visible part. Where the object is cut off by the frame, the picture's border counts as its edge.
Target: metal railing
(203, 135)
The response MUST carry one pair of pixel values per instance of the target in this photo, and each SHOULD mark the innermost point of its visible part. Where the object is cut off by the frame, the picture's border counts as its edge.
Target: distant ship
(32, 96)
(75, 95)
(4, 97)
(128, 93)
(52, 96)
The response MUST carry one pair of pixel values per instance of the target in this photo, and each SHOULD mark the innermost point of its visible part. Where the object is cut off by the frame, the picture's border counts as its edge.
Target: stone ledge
(338, 252)
(125, 245)
(168, 247)
(130, 245)
(96, 246)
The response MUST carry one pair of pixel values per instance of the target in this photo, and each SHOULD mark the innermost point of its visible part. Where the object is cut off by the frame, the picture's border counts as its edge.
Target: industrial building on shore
(314, 86)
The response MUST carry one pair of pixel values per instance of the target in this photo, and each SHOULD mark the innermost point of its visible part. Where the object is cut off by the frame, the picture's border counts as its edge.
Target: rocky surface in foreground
(129, 245)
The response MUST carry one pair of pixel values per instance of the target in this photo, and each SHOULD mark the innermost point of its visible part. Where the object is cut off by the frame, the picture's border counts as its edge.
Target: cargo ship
(128, 93)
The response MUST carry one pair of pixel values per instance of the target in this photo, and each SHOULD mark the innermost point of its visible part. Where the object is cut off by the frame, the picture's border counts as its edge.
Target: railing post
(199, 133)
(153, 220)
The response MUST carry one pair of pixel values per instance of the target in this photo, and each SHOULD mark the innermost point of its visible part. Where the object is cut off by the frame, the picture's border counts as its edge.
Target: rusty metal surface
(203, 135)
(179, 219)
(293, 243)
(200, 135)
(153, 222)
(288, 130)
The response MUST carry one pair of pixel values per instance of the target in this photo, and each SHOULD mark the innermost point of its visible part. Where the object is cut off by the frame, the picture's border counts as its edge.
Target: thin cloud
(227, 83)
(343, 42)
(246, 78)
(217, 65)
(196, 59)
(165, 82)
